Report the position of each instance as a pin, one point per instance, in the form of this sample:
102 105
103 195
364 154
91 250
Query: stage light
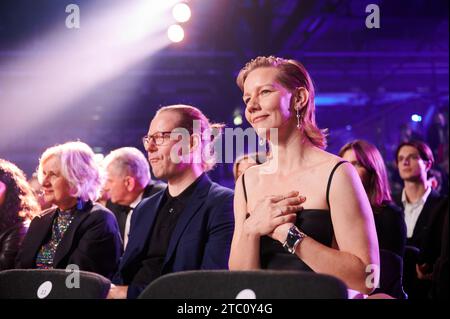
181 12
416 118
237 117
175 33
237 120
98 156
112 40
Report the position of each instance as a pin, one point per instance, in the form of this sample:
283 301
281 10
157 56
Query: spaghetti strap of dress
243 185
329 181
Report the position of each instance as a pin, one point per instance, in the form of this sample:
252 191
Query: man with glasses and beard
188 226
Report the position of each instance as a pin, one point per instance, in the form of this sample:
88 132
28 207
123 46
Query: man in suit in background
424 212
188 226
128 182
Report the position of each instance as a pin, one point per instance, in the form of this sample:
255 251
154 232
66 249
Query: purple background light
368 80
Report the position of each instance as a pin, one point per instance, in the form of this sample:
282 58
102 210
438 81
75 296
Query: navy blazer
201 238
92 241
118 209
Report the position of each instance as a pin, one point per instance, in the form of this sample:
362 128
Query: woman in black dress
304 208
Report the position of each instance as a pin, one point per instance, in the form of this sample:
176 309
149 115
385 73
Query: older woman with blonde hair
76 230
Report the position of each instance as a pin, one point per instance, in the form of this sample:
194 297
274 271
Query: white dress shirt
413 210
128 221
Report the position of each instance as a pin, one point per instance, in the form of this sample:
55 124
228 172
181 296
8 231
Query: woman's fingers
291 198
292 201
284 210
277 198
289 218
272 211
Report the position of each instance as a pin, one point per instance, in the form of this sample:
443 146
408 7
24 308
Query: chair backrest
411 254
391 275
52 284
261 284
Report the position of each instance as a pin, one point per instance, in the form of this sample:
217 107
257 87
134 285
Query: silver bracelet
293 239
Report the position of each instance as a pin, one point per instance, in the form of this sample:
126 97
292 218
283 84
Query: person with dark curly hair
17 207
389 218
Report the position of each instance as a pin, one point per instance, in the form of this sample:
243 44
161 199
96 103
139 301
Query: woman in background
17 207
389 221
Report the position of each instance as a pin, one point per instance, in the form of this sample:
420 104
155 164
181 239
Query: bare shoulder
328 166
345 178
346 172
249 183
326 160
252 174
240 199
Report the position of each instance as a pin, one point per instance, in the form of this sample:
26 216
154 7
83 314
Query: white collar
421 200
136 201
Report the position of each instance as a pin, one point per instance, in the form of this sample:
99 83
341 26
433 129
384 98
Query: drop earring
298 118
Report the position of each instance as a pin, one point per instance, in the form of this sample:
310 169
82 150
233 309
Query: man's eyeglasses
158 138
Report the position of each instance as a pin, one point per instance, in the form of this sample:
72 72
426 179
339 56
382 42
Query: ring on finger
279 210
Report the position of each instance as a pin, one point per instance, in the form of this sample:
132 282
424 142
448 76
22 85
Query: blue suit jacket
201 238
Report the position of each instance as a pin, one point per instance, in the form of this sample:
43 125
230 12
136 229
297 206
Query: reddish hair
209 131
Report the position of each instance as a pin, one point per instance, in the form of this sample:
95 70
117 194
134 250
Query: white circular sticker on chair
44 289
246 294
